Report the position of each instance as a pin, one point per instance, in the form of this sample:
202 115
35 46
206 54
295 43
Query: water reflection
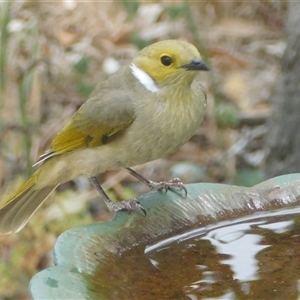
254 258
240 246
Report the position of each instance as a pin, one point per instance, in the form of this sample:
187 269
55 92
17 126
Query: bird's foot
127 205
168 185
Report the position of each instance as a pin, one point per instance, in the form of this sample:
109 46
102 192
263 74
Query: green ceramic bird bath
106 260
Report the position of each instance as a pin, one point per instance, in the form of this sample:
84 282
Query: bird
145 111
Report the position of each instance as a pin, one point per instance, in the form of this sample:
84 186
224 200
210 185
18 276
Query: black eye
166 60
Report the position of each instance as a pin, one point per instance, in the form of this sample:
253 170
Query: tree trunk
283 138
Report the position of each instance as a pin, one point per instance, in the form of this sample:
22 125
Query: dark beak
196 65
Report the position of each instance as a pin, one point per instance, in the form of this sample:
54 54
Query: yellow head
168 62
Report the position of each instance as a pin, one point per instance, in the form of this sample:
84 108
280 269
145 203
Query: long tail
19 208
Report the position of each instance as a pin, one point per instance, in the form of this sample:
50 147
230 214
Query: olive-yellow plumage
145 111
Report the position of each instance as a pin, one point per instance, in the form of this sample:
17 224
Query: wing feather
98 121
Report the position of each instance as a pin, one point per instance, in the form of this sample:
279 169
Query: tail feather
17 211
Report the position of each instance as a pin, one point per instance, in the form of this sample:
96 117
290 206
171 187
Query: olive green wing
97 122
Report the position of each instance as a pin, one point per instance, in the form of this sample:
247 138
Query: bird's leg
159 186
129 205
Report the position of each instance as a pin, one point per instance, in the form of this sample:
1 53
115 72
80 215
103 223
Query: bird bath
221 242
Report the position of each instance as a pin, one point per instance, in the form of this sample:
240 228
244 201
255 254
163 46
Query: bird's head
167 62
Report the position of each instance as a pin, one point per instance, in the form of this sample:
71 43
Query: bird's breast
162 127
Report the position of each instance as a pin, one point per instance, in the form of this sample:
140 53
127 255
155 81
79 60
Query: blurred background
53 54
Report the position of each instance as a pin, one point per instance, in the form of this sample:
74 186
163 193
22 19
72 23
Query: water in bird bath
257 257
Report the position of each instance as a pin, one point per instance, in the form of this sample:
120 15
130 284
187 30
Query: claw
160 186
168 185
176 182
127 205
185 190
144 211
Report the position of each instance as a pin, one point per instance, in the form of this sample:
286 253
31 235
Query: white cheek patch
144 79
